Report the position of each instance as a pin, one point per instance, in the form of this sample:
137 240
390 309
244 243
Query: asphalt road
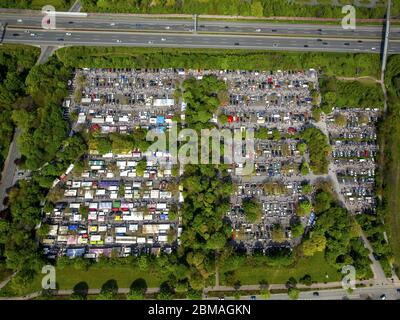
99 38
116 22
7 178
370 293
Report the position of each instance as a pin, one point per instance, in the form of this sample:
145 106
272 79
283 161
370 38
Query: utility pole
195 22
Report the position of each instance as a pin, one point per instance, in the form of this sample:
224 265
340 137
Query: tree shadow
110 286
81 289
139 284
264 285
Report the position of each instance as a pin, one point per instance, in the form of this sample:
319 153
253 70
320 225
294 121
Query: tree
319 149
304 168
109 291
276 135
265 294
316 243
137 290
81 263
330 99
257 9
166 292
277 233
194 294
222 119
135 294
141 167
302 147
304 208
4 228
322 201
80 291
297 229
306 188
293 293
252 210
306 280
43 231
340 120
316 113
143 263
261 133
106 296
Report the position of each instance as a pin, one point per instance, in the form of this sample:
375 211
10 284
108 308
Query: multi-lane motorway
105 30
103 38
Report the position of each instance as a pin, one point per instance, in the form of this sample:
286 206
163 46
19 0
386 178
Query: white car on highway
68 34
163 39
258 30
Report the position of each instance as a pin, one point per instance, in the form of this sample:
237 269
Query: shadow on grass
139 284
80 291
110 286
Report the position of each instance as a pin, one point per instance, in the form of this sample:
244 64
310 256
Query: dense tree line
349 94
35 4
206 190
339 64
252 210
119 143
335 233
387 179
21 249
258 8
40 118
201 98
34 98
318 148
15 63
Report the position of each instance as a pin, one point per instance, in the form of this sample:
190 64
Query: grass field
95 277
315 266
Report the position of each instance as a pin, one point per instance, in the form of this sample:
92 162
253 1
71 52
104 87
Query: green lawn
95 277
315 266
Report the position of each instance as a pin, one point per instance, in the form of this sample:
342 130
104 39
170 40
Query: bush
293 293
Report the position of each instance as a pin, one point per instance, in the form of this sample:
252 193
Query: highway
124 30
123 23
114 38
